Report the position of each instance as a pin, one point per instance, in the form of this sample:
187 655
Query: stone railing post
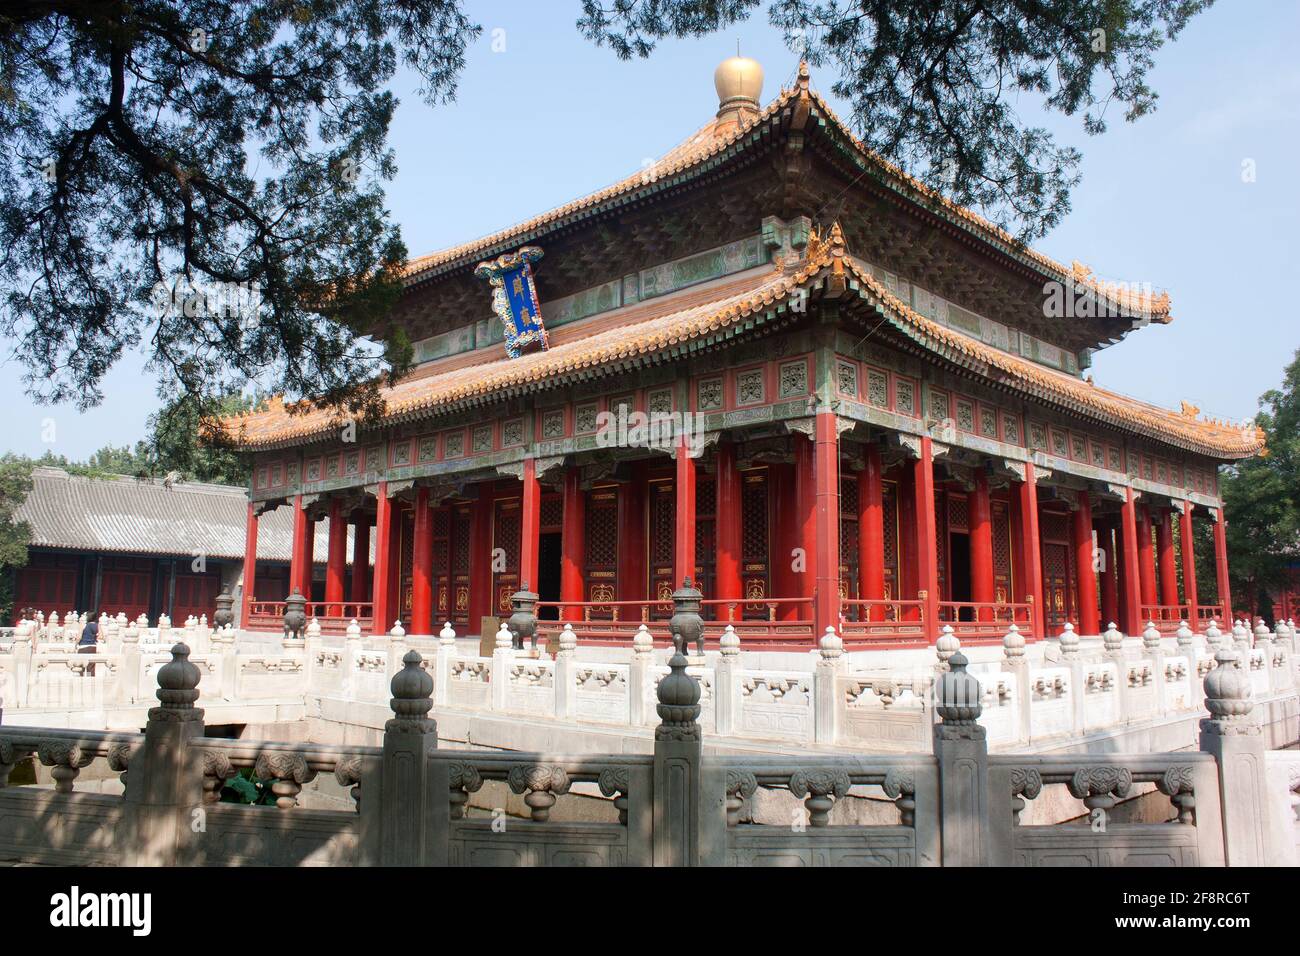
353 643
311 647
1112 644
726 683
442 665
128 673
566 655
503 661
397 648
1233 735
640 677
826 702
166 773
1070 658
1014 662
1152 647
414 800
1187 648
21 652
961 748
678 763
227 646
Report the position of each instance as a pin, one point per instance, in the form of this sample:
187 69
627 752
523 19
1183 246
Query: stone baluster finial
178 689
1013 643
947 645
679 700
1213 636
313 628
1151 637
412 688
729 642
353 631
1263 637
568 645
643 644
447 636
1069 642
1112 640
957 701
1186 639
1241 639
1228 696
505 640
831 644
398 632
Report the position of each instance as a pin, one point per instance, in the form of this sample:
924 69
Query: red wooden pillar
299 544
360 559
803 562
336 564
871 531
1131 612
633 582
1168 569
1221 563
422 565
1146 558
727 531
530 532
926 544
250 564
383 533
395 565
573 544
826 466
1186 539
1031 558
1085 566
909 581
981 545
684 537
480 559
1109 575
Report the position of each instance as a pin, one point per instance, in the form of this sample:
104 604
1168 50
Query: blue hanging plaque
514 299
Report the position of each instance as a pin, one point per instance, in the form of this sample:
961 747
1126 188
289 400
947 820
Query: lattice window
793 379
584 419
1011 429
846 378
749 387
889 513
938 405
508 532
460 546
708 394
552 510
965 415
988 423
453 444
905 396
878 389
1001 542
958 513
1054 527
512 433
663 523
753 520
1079 447
602 533
482 439
1116 459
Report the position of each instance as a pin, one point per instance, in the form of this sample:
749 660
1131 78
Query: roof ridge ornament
514 299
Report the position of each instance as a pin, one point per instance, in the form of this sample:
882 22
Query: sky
1200 198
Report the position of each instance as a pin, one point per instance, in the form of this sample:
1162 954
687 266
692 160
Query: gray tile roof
146 516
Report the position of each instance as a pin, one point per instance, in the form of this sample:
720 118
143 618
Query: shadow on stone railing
414 804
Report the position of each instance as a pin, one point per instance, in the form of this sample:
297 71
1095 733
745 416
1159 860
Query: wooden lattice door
663 530
755 520
462 522
849 538
602 549
506 531
442 563
1003 586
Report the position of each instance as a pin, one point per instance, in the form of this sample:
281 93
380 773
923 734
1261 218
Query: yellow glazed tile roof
717 137
826 260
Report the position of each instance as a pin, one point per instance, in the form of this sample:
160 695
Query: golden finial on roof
739 82
803 75
837 238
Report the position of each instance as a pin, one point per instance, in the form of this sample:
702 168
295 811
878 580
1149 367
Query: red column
1085 566
336 564
871 530
826 466
1186 539
422 565
1168 569
1146 558
684 537
633 582
530 533
480 559
805 511
981 544
395 565
303 543
1221 563
1031 558
727 490
927 553
250 564
383 532
573 544
360 559
1109 575
1131 612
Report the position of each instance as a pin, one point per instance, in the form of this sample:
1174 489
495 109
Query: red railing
876 623
974 622
333 616
1166 617
768 623
1204 612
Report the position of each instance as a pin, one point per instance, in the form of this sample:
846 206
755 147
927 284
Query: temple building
775 365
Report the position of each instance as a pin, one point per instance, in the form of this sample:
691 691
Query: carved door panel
755 520
1056 585
848 538
602 549
507 526
941 541
662 545
706 503
441 565
406 564
1003 586
462 523
889 511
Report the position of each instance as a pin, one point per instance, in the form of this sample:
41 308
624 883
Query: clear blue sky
1161 201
